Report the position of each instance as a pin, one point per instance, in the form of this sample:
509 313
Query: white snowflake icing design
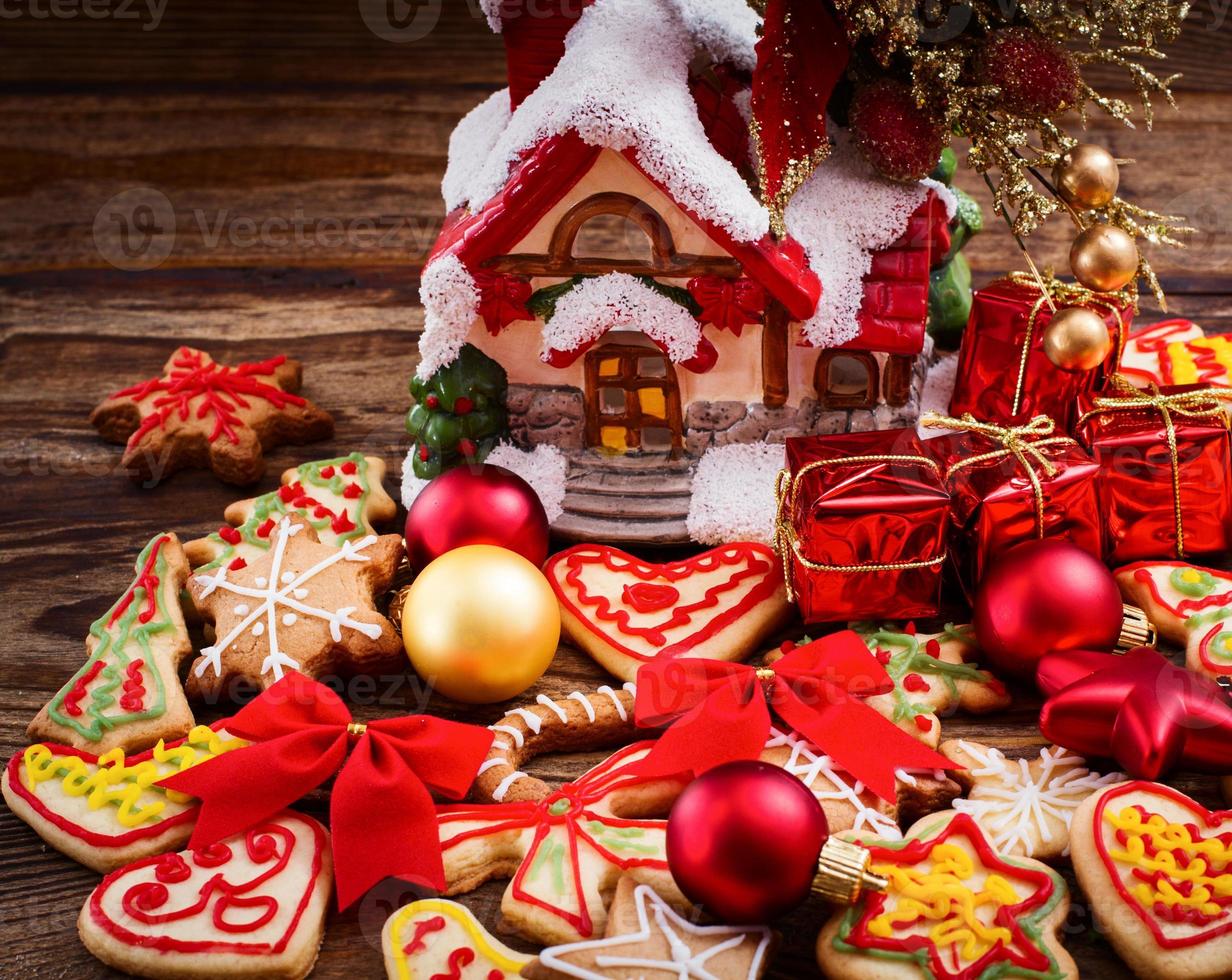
1016 806
280 598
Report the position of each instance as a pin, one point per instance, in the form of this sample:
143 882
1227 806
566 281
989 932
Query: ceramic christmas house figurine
606 247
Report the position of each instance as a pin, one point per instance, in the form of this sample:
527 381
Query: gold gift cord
1203 403
1070 294
1024 442
787 544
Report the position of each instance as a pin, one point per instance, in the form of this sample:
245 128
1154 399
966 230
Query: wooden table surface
292 154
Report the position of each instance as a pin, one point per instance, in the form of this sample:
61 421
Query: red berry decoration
432 401
1036 75
899 138
463 406
467 447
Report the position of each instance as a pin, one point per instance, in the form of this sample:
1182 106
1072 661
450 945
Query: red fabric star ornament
502 300
728 303
1139 709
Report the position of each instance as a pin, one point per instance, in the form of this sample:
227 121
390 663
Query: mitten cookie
128 693
201 413
438 938
1189 606
342 498
250 906
105 812
304 606
625 612
1157 869
646 937
1024 806
954 909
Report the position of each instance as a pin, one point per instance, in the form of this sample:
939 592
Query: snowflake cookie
647 937
1190 606
128 694
304 606
955 909
1024 806
200 413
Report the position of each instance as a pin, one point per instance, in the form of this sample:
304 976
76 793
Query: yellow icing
1184 366
502 958
1205 864
111 781
940 894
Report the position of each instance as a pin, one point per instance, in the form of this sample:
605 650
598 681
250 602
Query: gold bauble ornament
1077 339
480 624
1087 176
1104 258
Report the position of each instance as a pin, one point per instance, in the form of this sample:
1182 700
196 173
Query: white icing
533 721
502 787
491 764
516 735
553 707
584 701
620 708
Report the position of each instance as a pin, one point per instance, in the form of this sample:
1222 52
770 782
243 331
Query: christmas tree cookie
127 694
1190 606
341 498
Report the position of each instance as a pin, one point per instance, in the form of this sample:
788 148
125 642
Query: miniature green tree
459 413
949 294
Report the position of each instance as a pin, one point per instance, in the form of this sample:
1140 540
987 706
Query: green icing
559 807
1196 583
620 839
1220 648
114 649
1218 614
908 657
271 505
552 854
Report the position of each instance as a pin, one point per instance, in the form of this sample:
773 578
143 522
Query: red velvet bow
502 299
721 712
728 304
382 817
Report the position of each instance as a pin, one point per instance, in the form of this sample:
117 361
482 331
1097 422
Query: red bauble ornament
1036 75
1042 596
743 841
901 139
476 505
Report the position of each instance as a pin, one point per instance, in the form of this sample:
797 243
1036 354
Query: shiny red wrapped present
1013 484
862 526
1004 376
1164 456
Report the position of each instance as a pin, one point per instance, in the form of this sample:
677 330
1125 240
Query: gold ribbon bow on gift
1203 403
1065 294
787 543
1024 442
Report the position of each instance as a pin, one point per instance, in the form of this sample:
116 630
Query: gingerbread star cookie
200 413
647 937
1157 869
342 498
304 606
1190 606
250 906
955 909
624 611
105 811
1024 806
438 938
128 694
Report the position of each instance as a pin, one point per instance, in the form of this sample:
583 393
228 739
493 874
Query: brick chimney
534 33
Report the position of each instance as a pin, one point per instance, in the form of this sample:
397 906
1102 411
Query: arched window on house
847 379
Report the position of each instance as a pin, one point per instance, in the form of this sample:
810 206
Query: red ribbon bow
382 816
721 712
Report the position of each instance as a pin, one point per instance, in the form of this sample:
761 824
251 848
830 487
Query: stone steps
627 499
579 527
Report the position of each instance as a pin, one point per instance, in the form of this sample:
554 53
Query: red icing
327 471
145 902
289 491
923 723
237 564
646 597
221 390
341 524
933 648
1187 606
1204 650
422 928
266 527
230 534
133 696
1203 817
147 581
72 700
353 491
914 682
459 958
350 468
746 561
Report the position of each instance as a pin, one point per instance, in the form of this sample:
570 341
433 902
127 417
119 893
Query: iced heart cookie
250 906
647 938
438 938
1157 868
954 910
304 606
128 694
106 811
1189 606
200 413
624 611
564 852
1024 806
342 498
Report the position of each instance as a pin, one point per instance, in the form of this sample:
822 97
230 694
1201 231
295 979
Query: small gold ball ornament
1104 258
1077 339
1087 176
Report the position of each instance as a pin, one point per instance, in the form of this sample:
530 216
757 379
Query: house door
632 400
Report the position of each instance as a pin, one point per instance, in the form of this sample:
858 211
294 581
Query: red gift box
862 526
1010 485
1004 376
1164 468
